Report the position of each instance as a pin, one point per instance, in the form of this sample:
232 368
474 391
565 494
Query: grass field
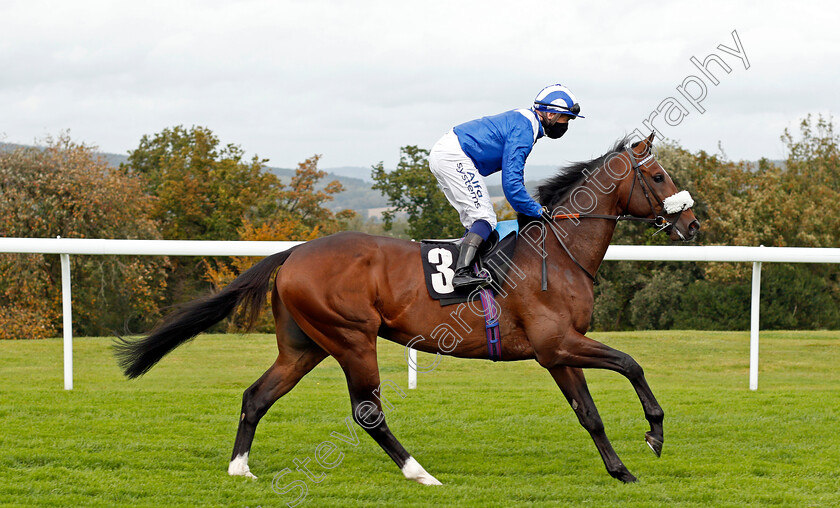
494 434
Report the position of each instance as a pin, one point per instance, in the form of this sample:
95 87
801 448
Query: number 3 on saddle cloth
438 257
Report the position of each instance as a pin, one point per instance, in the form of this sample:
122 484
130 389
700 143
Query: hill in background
358 194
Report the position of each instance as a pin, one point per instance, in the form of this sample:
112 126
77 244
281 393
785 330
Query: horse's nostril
693 228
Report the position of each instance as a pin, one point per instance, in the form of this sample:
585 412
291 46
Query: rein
659 220
573 258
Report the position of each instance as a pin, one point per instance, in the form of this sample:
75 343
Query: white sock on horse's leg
414 471
239 467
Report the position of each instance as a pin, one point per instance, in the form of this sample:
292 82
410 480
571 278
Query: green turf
494 434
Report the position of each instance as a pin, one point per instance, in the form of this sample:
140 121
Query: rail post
67 310
412 368
754 308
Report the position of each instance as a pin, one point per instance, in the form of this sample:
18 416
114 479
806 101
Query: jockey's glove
546 214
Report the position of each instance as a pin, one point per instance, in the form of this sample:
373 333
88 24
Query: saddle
494 257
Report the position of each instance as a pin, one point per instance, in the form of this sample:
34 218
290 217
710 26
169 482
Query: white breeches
460 181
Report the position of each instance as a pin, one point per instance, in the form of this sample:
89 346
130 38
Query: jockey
472 150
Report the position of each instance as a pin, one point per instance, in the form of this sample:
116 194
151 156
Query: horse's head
648 191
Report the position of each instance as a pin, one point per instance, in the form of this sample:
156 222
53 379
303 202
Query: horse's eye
659 178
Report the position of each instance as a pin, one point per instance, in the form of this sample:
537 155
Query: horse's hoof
654 443
246 474
428 480
623 476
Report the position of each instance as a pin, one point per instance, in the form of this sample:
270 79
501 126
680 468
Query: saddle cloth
439 256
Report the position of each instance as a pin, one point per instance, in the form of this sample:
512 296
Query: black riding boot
464 275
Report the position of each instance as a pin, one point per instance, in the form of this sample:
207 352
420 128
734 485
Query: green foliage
773 205
790 205
799 297
204 191
652 307
411 188
793 296
64 190
178 184
708 305
300 216
304 202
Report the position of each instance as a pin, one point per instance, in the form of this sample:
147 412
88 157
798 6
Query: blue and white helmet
557 99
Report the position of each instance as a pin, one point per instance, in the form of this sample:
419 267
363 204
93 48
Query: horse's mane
552 190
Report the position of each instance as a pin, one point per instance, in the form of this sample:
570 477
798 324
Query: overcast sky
356 80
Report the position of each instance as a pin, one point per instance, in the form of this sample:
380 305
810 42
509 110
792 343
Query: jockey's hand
546 214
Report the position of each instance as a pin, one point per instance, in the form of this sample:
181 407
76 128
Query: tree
411 188
205 191
64 189
778 205
302 201
739 203
300 216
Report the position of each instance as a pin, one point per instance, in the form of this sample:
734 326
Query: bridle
659 221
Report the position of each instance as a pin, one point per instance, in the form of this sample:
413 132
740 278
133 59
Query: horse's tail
248 290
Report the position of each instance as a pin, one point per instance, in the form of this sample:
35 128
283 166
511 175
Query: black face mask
556 131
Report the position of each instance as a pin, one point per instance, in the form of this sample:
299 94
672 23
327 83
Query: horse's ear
647 144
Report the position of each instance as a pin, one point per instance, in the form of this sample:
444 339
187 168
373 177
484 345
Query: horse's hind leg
573 384
278 380
362 372
297 356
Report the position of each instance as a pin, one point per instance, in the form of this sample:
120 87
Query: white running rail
76 246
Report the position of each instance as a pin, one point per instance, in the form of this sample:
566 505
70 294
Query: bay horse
334 295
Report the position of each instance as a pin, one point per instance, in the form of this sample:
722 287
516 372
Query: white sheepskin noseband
679 202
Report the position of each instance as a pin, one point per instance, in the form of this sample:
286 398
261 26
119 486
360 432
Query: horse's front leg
573 384
574 349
